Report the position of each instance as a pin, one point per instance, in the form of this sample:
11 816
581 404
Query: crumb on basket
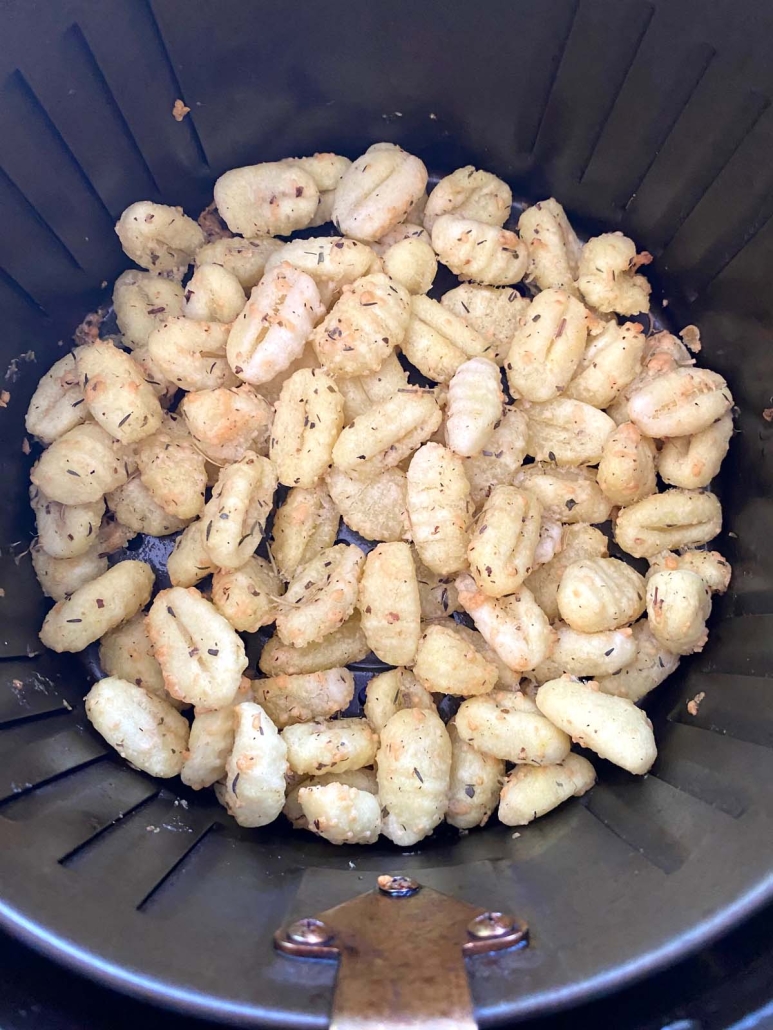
179 110
213 225
12 373
695 703
88 330
25 446
2 592
67 705
767 414
691 338
514 835
4 398
17 684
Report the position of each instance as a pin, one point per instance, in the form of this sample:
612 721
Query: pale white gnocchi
286 398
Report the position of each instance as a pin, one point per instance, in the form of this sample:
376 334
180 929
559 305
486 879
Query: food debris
767 414
4 398
17 684
695 703
67 705
2 592
12 372
514 835
25 446
213 225
691 338
88 331
179 110
153 829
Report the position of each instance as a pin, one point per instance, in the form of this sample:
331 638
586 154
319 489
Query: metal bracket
401 949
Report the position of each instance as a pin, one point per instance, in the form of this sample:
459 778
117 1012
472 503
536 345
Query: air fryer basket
653 117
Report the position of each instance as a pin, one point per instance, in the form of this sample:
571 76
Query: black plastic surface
653 117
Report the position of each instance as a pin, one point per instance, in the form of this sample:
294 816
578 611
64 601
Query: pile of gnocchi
272 392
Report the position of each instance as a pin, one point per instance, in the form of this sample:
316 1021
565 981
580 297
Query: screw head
490 924
309 931
398 886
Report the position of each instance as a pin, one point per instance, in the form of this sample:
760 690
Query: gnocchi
509 726
389 603
611 726
340 813
58 404
439 508
438 342
339 746
471 441
321 595
495 313
304 526
503 544
530 792
447 663
271 330
236 514
97 607
308 419
413 766
363 327
469 193
597 594
158 237
554 250
271 199
480 252
514 626
608 278
305 696
344 646
377 191
142 301
391 692
475 784
547 346
475 401
143 729
201 657
254 788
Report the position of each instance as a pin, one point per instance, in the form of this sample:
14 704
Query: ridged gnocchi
287 400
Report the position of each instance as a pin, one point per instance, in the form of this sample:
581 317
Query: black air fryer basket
651 116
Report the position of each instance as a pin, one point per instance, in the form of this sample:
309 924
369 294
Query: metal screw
490 924
398 886
309 931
